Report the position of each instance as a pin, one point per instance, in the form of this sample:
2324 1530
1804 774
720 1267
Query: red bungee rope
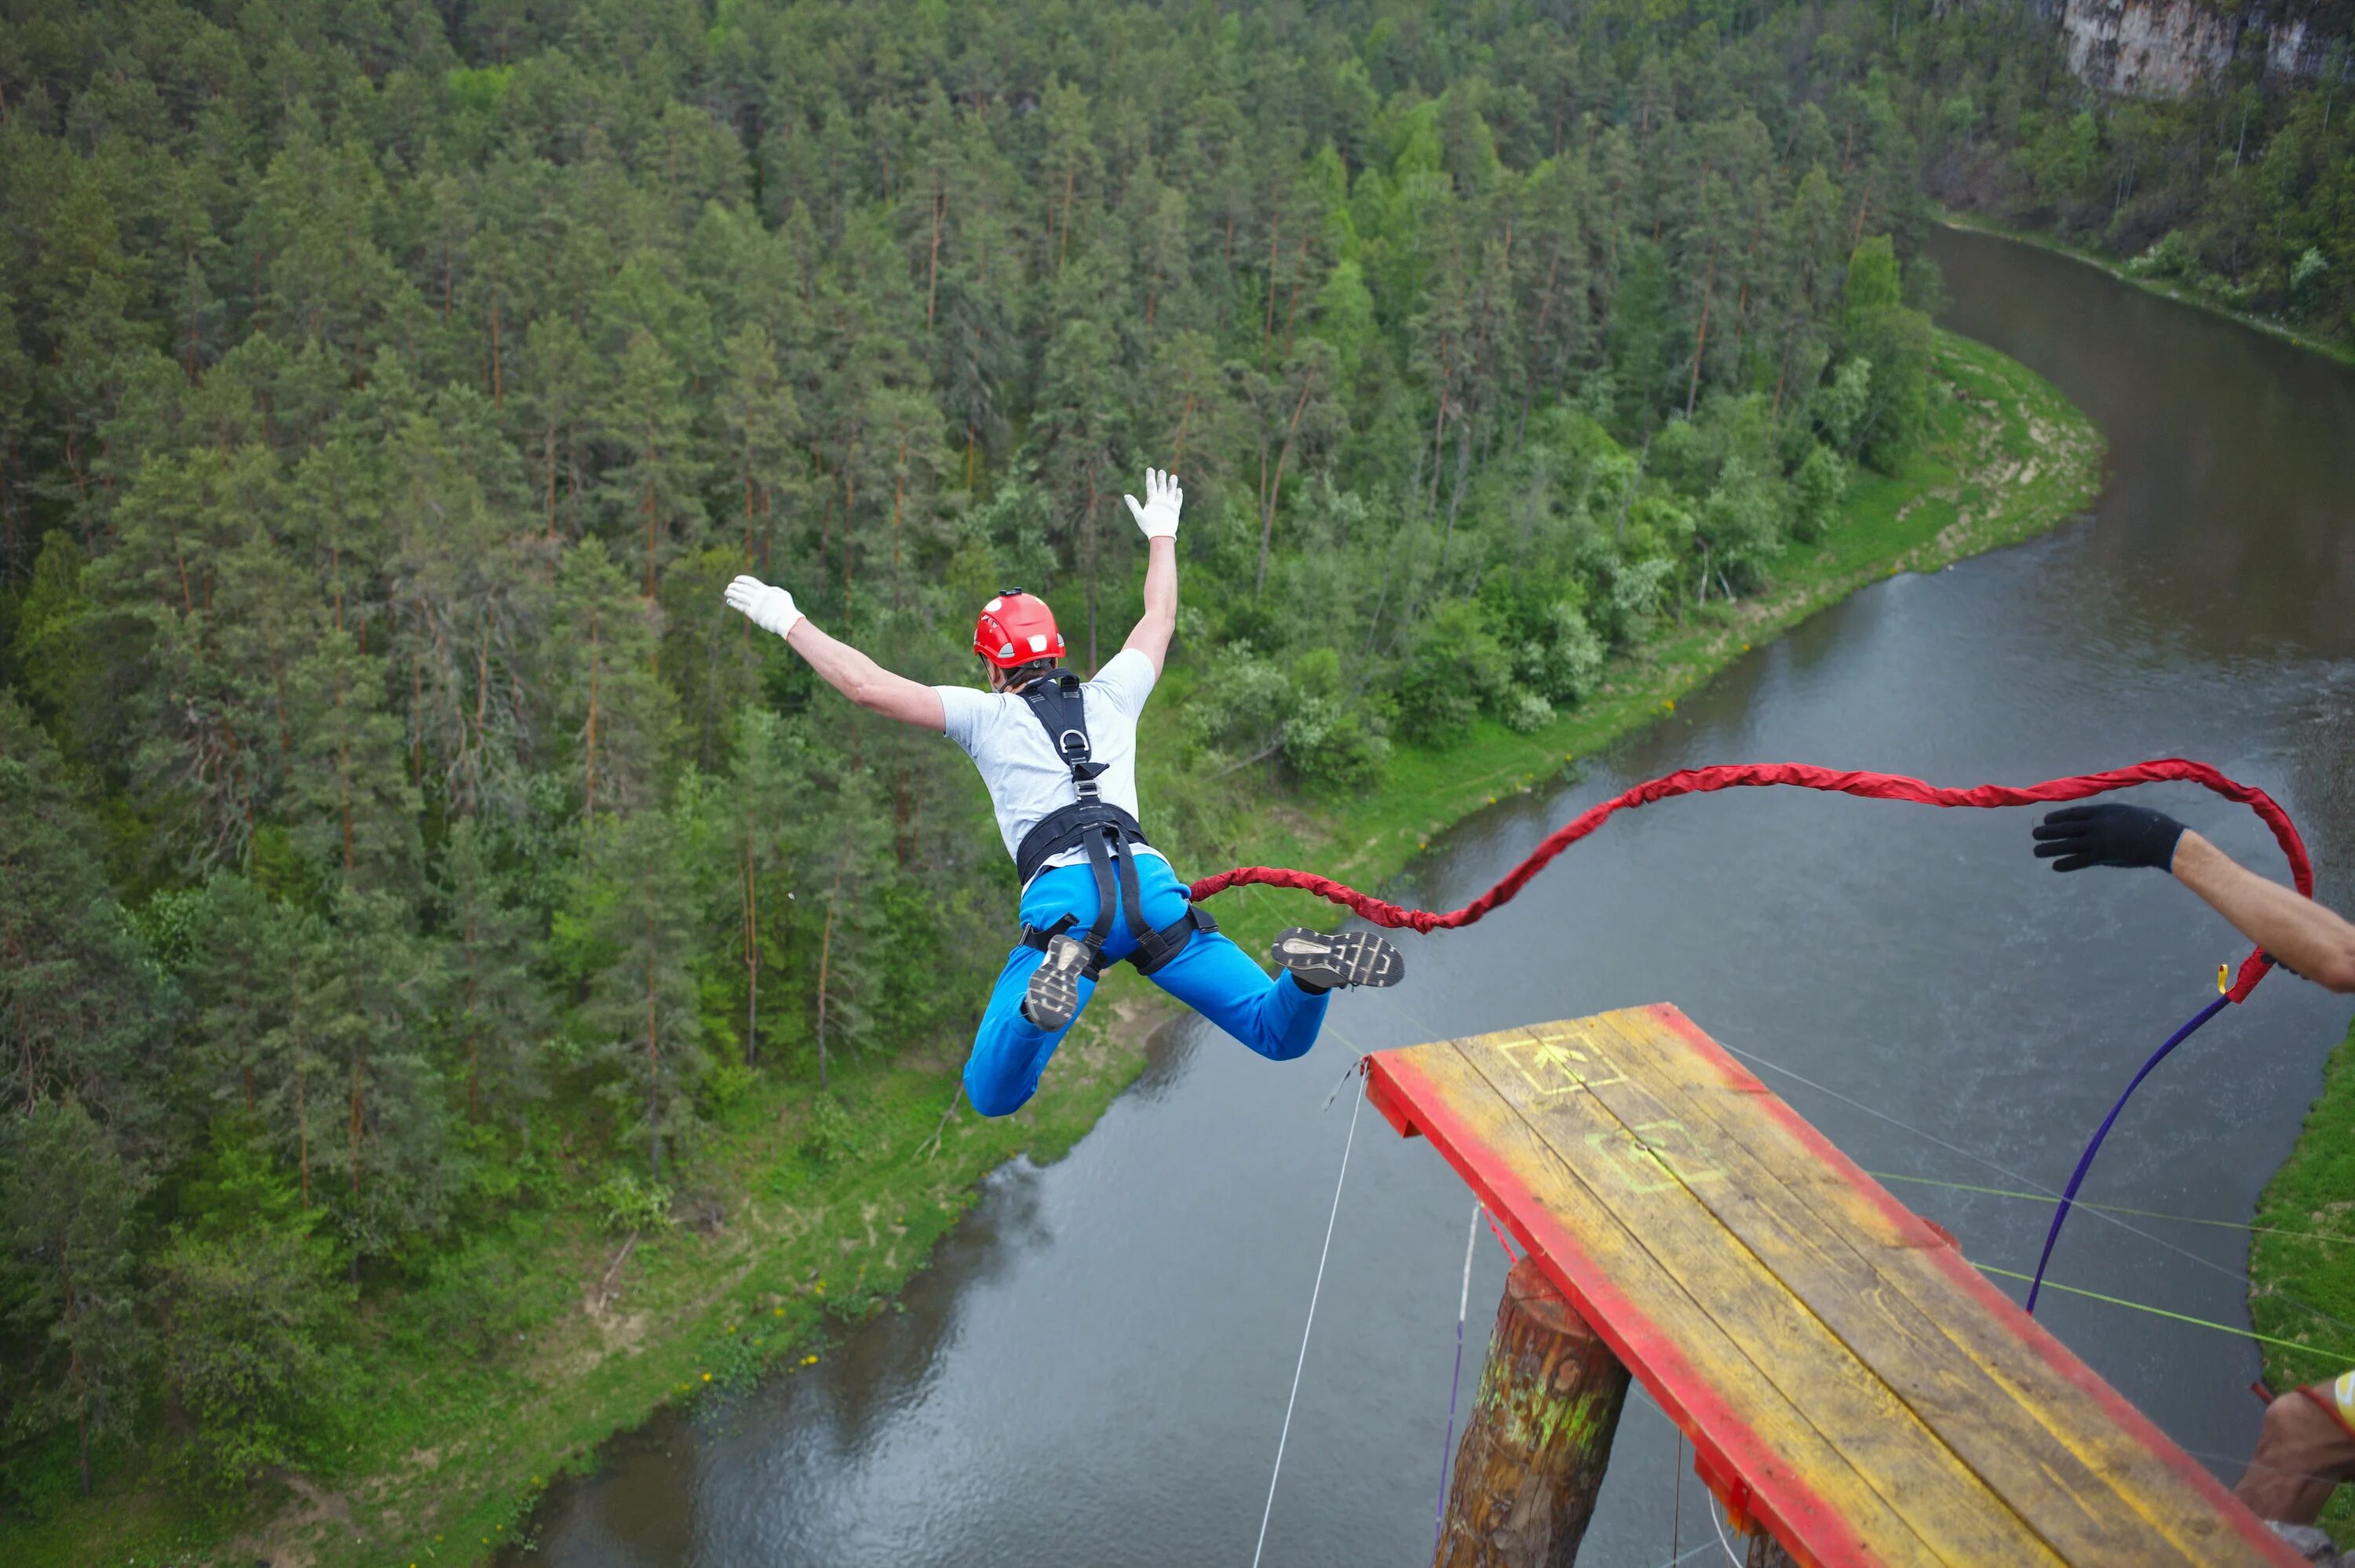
1873 785
1752 775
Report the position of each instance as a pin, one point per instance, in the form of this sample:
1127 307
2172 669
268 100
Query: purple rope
2085 1160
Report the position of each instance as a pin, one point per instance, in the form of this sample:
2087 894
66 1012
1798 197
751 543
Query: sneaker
1052 1000
1322 960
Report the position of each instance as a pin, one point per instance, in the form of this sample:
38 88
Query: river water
1094 1369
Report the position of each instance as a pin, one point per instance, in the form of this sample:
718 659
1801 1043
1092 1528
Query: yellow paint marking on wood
2041 1401
1825 1320
2036 1441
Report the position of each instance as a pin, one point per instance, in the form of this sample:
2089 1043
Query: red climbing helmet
1017 629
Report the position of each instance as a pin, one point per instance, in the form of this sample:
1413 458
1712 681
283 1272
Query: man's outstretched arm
1158 518
838 665
2304 936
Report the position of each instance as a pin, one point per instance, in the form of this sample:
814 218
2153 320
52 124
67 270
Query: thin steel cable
1677 1499
2011 1175
1456 1384
2336 1356
2114 1208
1314 1290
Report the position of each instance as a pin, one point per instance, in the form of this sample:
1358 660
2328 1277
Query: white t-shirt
1026 780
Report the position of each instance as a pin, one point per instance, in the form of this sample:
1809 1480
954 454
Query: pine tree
765 804
654 491
378 986
354 809
498 1008
607 697
634 913
81 1011
69 1276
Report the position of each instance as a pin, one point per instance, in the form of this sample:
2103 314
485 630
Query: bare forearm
863 680
1153 631
1161 581
2313 940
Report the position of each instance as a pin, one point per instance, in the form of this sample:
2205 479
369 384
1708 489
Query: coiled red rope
1801 775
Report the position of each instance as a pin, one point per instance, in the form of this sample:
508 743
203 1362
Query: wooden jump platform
1847 1382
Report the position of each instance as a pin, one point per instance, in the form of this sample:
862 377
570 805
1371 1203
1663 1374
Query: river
1094 1369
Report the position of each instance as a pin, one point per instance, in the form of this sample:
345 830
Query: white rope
1266 1513
1721 1540
1689 1551
1456 1384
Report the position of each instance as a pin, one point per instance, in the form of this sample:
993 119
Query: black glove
2080 836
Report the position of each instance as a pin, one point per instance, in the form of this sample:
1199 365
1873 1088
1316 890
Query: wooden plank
1744 1335
1878 1399
1652 1326
2070 1478
2117 1441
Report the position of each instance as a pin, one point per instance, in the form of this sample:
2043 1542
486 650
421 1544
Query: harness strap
1155 949
1104 830
1100 862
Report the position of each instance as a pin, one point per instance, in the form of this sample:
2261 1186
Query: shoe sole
1052 997
1340 958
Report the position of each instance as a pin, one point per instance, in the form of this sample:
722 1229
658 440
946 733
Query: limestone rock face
2164 49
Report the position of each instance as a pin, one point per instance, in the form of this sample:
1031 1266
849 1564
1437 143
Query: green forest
2242 192
399 840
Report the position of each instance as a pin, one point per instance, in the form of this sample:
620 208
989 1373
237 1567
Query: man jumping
1060 760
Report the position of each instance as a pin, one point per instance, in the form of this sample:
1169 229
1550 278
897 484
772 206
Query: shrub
832 1136
1815 491
252 1356
1327 747
1565 663
627 1204
1526 711
1457 668
2171 256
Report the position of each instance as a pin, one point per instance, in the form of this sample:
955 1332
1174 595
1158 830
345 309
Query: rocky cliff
2167 48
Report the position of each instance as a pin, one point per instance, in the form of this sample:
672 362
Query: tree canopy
388 390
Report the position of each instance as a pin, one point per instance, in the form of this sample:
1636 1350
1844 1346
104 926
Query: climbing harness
1105 833
1870 786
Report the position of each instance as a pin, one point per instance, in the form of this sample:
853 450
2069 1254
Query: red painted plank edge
1725 1447
1808 1528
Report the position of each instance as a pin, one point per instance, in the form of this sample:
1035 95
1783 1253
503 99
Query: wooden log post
1539 1437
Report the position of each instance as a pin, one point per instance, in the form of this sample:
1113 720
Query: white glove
1158 515
770 609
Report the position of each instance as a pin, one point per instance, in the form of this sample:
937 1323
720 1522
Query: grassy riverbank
2009 458
1972 223
2303 1252
813 1225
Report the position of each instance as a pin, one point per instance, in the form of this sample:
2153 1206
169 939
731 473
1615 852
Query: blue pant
1213 975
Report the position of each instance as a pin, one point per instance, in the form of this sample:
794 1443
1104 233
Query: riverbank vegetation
560 1321
449 961
2302 1255
2240 194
